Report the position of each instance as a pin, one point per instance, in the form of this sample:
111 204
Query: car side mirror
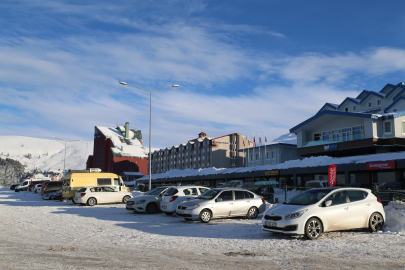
328 203
218 200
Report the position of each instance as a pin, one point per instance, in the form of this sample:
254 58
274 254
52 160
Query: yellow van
75 180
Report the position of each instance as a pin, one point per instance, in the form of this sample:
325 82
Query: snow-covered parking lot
37 234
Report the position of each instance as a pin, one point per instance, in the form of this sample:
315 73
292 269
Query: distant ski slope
45 154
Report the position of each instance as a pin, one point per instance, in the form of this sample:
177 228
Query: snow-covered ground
37 234
47 155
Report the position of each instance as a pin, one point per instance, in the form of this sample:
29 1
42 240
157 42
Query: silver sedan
221 203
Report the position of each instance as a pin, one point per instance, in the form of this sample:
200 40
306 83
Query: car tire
313 229
205 216
169 213
376 222
151 208
252 213
125 199
73 200
91 201
35 191
51 197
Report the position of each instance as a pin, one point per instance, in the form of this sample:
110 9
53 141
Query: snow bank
395 217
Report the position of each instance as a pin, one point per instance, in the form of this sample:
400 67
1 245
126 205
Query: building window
345 134
251 157
403 127
203 157
208 164
268 155
208 150
387 127
257 157
394 110
357 133
317 136
203 150
346 109
273 154
369 104
325 136
354 108
379 102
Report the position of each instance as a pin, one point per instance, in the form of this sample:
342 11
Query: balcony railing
335 139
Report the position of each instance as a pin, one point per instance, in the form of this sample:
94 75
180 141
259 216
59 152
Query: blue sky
242 66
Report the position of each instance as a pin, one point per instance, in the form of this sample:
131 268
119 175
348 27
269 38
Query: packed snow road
37 234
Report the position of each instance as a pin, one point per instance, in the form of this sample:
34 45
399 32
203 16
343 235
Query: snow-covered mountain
47 155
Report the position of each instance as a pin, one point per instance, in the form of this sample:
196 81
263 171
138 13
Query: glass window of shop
384 177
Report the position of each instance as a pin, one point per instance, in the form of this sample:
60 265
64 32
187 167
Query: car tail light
378 200
262 200
173 198
82 194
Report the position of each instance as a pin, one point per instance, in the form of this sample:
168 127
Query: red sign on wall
332 175
386 165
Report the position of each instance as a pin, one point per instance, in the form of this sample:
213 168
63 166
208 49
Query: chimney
126 130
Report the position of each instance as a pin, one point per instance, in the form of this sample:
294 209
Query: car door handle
346 208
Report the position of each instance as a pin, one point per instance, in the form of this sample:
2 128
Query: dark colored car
51 186
12 187
392 186
359 185
390 196
56 195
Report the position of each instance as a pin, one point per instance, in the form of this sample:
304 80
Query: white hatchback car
320 210
37 188
175 195
94 195
221 203
148 202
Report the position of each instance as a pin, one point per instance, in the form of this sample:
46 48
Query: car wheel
376 222
151 208
125 199
313 228
205 216
91 201
73 200
252 213
51 197
169 213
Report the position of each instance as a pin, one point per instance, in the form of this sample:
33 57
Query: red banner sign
381 165
332 175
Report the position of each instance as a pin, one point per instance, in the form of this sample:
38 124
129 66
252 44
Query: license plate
271 224
180 212
164 206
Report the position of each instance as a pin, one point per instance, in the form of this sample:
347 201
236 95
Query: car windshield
156 191
309 197
170 192
210 194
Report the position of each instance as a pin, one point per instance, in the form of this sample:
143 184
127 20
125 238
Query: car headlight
140 202
130 202
295 214
193 206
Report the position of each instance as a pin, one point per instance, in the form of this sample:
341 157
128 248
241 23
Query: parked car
317 183
175 195
37 188
50 187
96 195
358 185
321 210
148 202
392 186
221 203
53 195
390 196
12 187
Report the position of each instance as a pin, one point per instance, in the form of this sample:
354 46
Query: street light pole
64 160
150 124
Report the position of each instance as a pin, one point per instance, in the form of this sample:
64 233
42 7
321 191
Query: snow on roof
306 162
126 147
289 138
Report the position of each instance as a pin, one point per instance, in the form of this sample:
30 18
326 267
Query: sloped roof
125 147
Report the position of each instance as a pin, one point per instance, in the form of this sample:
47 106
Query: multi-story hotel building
202 152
